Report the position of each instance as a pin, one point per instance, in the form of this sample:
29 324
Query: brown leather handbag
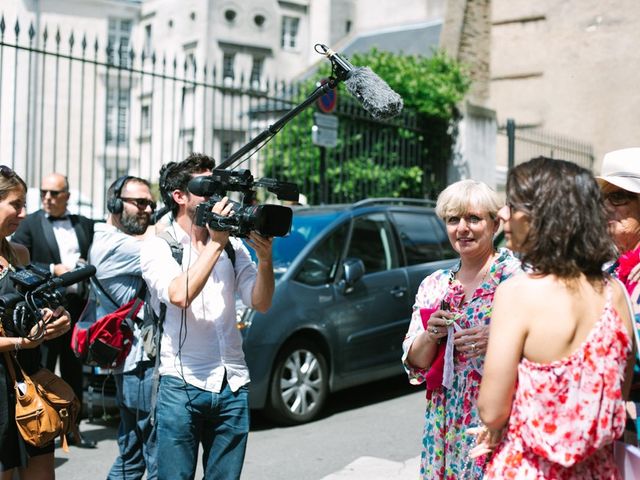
46 406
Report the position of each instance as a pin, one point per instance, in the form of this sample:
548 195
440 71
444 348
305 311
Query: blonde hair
461 197
9 183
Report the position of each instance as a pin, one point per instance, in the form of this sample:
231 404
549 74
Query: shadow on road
351 399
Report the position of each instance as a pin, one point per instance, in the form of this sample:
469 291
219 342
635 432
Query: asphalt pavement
372 432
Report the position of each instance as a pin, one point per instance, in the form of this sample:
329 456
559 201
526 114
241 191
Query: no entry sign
327 102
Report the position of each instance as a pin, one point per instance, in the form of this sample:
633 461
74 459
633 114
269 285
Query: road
371 432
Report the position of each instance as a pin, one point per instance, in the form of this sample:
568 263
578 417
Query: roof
417 39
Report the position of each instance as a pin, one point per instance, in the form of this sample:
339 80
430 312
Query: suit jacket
36 233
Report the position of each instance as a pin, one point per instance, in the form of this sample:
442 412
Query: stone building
568 66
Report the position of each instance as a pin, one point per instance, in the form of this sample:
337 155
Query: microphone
376 96
69 278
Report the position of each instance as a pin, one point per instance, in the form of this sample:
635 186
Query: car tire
299 384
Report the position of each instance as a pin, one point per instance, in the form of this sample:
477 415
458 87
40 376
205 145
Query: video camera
268 220
36 288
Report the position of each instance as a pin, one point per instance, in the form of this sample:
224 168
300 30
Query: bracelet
18 344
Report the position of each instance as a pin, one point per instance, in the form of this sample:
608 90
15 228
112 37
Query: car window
321 265
422 236
372 242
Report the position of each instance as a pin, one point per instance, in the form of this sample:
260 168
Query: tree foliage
404 157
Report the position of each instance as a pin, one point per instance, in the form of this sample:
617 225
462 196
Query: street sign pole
323 175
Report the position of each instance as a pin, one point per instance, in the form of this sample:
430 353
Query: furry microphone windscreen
376 96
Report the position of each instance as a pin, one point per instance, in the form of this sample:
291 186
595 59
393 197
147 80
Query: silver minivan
346 279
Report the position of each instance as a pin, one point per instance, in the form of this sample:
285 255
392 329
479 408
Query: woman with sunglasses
31 462
620 185
561 339
447 338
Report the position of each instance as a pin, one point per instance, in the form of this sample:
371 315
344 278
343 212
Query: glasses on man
619 197
141 203
6 172
53 193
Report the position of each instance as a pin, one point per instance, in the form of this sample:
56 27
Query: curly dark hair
568 228
176 176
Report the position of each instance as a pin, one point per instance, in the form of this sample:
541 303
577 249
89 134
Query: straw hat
622 169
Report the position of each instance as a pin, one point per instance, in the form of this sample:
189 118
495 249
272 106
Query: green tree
402 157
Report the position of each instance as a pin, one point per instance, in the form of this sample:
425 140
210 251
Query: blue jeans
136 433
187 416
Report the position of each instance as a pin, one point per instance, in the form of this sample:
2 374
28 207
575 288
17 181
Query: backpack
105 342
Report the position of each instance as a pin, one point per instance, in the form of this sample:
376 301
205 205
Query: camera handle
271 130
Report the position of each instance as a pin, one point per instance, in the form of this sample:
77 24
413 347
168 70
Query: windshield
304 228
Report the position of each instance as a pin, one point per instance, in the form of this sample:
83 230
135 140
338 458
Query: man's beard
135 224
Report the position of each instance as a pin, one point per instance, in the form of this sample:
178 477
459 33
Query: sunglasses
619 197
7 172
53 193
141 203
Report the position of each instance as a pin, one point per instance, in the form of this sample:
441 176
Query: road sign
324 132
327 102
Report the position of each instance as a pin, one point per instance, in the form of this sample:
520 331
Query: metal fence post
511 137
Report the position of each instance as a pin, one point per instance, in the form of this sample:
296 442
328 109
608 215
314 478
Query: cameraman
203 394
33 462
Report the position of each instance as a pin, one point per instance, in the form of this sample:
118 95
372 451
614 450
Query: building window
117 124
145 120
259 20
226 149
289 38
119 41
256 71
147 40
227 65
230 15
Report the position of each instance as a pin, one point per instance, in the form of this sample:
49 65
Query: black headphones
167 199
114 203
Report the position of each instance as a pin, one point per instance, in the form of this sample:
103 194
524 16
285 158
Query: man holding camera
203 394
57 241
116 255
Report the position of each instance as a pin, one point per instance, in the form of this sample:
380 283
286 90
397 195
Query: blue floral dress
450 412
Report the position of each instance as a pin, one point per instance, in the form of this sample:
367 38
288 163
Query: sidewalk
371 468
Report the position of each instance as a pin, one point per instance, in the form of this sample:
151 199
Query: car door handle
398 292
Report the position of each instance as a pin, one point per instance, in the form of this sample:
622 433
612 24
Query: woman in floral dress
560 345
447 337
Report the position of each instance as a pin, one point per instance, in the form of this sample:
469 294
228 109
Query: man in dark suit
58 241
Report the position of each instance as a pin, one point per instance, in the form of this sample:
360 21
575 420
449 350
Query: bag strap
140 293
632 313
9 362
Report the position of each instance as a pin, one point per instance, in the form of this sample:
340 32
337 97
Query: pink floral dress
449 412
566 414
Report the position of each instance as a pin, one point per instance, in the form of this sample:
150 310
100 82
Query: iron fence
95 110
526 143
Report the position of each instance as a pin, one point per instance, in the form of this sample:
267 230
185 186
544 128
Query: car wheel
299 385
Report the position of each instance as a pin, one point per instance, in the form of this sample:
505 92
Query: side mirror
353 271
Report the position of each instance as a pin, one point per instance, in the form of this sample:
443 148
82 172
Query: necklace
469 293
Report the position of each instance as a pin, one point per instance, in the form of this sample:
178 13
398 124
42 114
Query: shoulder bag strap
95 282
633 318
